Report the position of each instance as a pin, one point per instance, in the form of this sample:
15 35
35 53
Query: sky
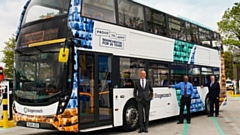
205 12
10 11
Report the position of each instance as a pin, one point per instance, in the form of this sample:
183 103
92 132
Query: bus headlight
63 104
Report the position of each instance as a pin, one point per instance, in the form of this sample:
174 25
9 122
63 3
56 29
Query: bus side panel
128 45
202 93
210 57
119 103
165 102
197 99
165 49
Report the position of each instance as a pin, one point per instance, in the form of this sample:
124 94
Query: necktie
185 90
211 84
142 83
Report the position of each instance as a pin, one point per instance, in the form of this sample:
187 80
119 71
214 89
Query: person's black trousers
185 101
214 101
143 105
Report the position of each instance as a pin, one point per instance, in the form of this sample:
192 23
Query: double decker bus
76 62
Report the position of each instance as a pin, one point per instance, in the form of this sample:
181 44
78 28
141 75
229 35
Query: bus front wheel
130 116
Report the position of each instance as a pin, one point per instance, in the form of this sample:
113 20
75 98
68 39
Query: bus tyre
207 105
130 116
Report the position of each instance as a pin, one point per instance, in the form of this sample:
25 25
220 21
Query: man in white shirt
143 94
213 93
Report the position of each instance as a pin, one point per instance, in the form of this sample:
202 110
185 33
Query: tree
229 29
8 57
230 24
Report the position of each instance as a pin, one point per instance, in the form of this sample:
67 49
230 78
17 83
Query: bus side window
130 14
99 10
129 71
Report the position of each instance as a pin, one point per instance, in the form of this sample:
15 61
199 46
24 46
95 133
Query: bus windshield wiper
38 48
18 51
27 54
50 52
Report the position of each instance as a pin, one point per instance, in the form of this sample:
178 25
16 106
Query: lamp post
236 83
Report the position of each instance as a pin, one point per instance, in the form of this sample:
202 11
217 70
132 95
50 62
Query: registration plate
31 124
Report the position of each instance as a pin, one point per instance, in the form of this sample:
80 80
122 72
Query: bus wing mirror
63 55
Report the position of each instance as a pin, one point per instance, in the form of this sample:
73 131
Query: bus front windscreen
39 78
43 9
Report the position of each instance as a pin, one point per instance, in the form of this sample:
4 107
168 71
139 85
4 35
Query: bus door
95 89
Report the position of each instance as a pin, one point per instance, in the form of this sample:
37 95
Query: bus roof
194 22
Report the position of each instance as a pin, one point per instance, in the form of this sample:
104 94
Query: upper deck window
43 9
130 14
177 29
216 39
204 36
99 9
192 33
155 22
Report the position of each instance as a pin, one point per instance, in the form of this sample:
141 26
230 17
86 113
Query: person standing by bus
143 94
214 91
186 92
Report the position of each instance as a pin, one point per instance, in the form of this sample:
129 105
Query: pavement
228 123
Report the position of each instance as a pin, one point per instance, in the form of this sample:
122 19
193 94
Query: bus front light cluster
63 103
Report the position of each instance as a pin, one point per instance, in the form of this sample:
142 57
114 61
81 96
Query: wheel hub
132 116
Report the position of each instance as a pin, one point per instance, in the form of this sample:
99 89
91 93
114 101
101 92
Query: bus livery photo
76 62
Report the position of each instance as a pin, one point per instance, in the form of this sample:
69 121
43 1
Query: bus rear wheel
207 105
130 116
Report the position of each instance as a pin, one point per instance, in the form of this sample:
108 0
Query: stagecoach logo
26 110
110 39
162 95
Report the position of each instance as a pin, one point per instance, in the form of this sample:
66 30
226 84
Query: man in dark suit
143 93
213 93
